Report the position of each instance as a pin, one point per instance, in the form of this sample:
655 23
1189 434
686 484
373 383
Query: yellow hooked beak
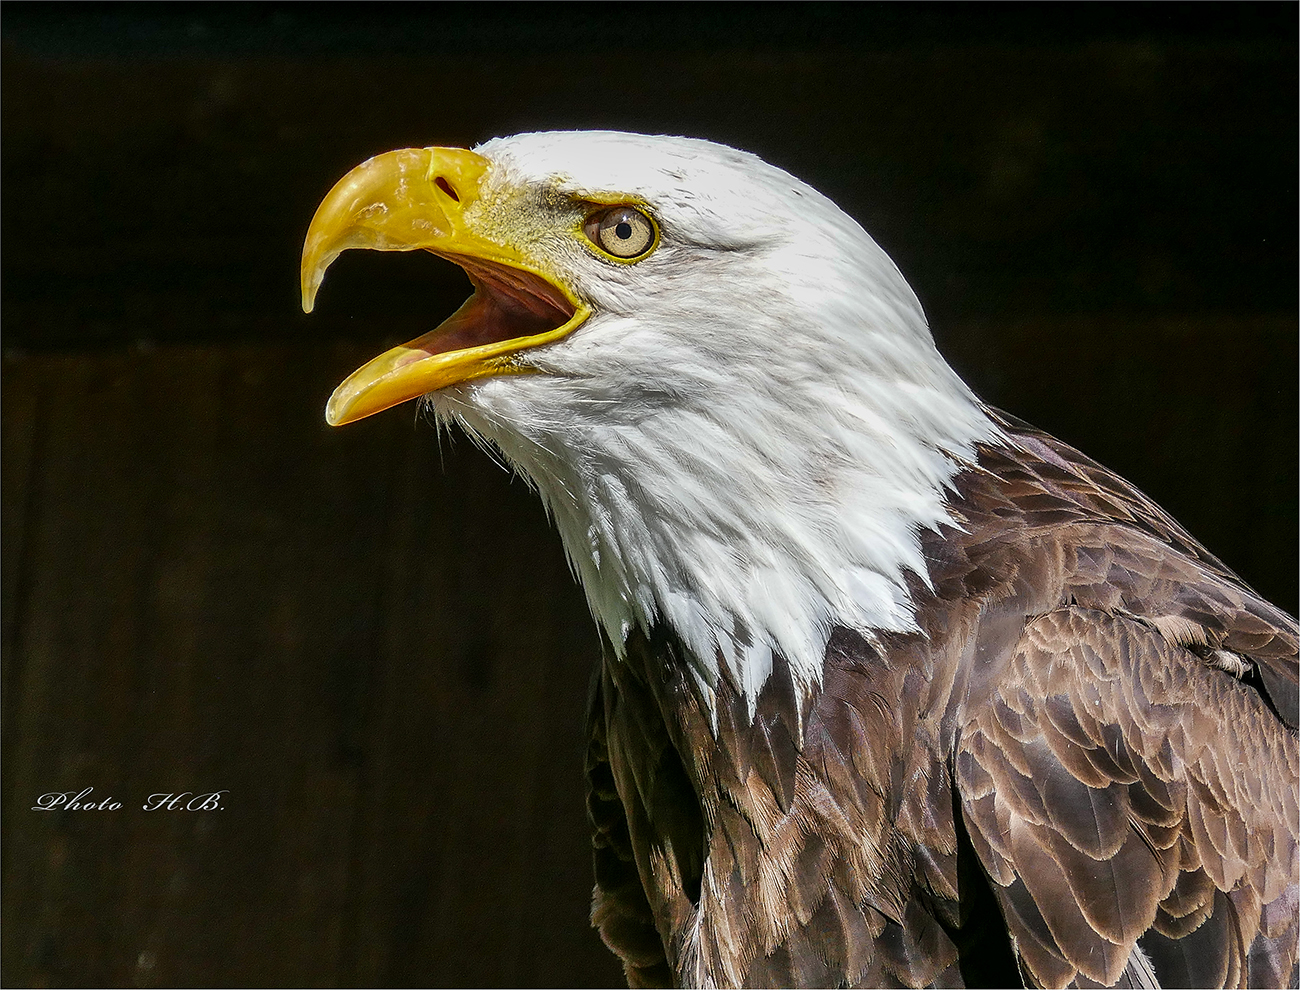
425 199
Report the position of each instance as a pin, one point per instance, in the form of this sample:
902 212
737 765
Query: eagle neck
751 521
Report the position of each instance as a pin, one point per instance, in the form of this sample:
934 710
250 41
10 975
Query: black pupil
623 229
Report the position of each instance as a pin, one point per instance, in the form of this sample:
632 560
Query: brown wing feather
1233 614
1108 847
1122 787
625 827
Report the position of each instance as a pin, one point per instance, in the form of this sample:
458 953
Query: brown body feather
1081 771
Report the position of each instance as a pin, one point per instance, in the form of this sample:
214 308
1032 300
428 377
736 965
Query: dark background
374 645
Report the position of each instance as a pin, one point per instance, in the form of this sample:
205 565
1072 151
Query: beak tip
312 277
336 410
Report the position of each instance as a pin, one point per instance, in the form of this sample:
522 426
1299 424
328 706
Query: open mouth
508 303
511 310
415 199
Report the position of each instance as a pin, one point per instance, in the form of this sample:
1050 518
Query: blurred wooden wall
369 638
377 650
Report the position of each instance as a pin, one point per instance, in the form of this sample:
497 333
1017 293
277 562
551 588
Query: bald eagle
897 690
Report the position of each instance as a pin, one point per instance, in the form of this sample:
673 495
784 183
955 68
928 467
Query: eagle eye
622 231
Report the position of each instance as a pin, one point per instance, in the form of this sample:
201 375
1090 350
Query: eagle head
721 386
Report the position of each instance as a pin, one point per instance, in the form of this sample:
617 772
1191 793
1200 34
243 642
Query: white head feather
745 438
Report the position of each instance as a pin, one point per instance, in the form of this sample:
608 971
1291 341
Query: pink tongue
506 304
488 317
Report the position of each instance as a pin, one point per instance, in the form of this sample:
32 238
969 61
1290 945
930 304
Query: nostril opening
446 187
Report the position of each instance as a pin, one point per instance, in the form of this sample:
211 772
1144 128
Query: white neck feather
750 469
